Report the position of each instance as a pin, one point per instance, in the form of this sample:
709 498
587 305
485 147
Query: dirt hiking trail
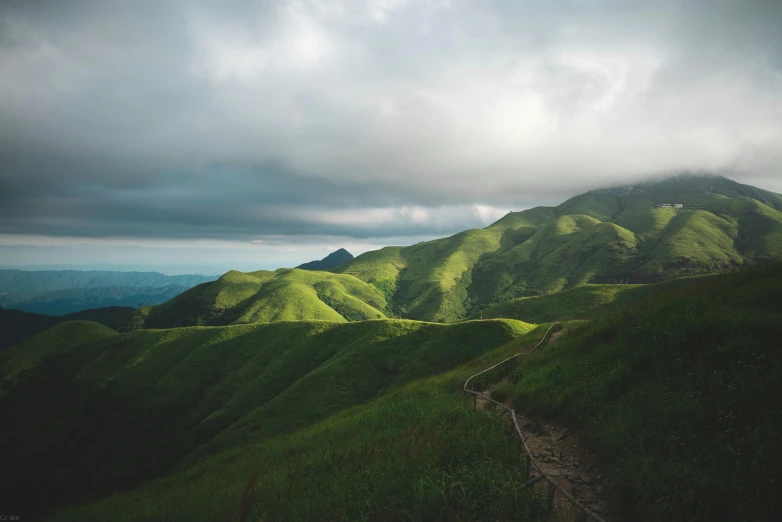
563 457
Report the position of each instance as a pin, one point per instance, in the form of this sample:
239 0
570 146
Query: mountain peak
332 260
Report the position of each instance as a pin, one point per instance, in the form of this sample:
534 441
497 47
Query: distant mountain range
49 280
70 300
633 234
332 260
58 292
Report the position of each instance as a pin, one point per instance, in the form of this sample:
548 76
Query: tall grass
679 395
109 412
418 453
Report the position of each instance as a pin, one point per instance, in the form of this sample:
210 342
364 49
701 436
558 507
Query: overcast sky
257 134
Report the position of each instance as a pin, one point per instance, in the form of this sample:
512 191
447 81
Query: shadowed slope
676 391
17 326
128 407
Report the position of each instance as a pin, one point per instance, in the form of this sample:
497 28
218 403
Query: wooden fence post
550 493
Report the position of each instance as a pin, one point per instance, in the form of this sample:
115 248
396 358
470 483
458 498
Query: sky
206 136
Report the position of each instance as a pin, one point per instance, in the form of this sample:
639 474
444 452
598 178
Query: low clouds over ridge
368 119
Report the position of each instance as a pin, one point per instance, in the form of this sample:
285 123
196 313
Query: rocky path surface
563 457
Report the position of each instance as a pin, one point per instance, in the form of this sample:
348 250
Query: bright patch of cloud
487 214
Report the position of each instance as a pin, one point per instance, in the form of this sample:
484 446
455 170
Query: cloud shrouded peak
368 119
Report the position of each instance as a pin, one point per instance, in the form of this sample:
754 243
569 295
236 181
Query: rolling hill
95 411
604 237
363 421
264 296
17 326
332 260
609 236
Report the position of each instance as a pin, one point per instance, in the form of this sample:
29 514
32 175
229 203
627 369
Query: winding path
553 456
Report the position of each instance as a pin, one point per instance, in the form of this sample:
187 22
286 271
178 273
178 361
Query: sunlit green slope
611 236
263 296
602 237
583 302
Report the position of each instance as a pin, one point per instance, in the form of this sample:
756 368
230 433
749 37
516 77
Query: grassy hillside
602 237
17 326
60 339
677 393
418 453
129 407
364 420
583 302
264 296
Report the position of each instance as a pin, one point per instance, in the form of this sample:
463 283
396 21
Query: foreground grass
420 454
417 453
678 394
104 412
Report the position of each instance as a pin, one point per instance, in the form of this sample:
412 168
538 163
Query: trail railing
530 459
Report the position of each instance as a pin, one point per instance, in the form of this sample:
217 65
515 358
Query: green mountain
618 235
17 326
264 296
611 236
332 260
365 421
71 300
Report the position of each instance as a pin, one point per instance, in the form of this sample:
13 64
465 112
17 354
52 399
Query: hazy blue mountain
39 281
332 260
59 302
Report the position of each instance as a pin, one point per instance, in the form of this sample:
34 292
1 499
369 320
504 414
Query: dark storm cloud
195 119
213 201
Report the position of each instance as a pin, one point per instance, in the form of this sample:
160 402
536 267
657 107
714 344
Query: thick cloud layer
244 119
